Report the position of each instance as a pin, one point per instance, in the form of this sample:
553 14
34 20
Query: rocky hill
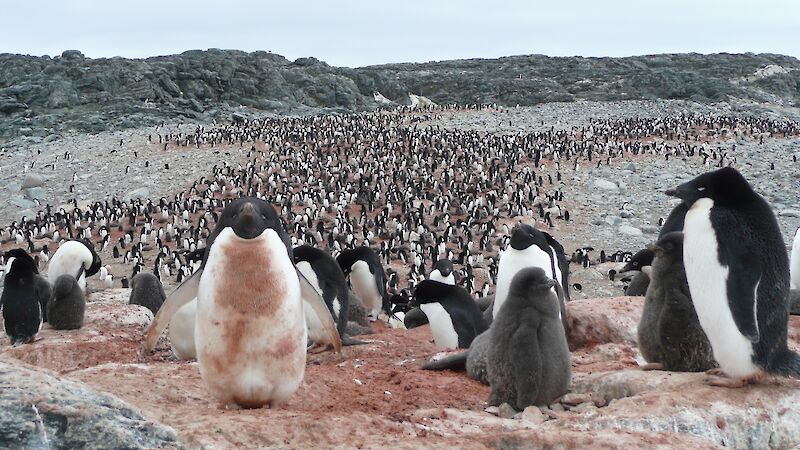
44 95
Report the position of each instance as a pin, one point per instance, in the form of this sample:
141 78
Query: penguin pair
367 277
250 332
738 273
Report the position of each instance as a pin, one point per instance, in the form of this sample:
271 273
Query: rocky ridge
40 96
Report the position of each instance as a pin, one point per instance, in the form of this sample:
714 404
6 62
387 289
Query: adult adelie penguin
250 332
22 313
454 317
738 273
530 247
76 258
327 278
367 277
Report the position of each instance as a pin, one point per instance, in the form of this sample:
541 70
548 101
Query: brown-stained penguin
250 331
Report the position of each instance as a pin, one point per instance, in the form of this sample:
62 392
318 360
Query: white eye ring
701 188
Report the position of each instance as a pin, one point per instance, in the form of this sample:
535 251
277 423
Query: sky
359 33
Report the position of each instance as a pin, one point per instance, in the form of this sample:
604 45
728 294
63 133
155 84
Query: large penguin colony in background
412 224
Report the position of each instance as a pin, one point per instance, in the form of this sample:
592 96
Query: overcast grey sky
356 33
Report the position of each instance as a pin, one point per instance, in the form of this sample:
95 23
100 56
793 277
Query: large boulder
603 320
39 410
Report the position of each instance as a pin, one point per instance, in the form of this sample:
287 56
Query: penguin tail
349 341
457 361
787 364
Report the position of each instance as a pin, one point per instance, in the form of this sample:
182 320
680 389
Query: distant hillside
43 95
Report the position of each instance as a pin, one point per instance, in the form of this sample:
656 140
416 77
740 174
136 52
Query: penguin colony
374 191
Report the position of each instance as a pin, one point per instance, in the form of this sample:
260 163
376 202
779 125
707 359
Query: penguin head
444 266
640 259
19 265
524 236
96 262
429 291
531 279
249 217
725 186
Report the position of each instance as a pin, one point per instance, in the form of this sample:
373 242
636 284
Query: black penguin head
429 291
444 266
640 259
20 265
670 245
524 236
96 262
725 186
249 217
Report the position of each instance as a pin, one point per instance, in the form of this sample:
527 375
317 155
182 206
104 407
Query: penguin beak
671 192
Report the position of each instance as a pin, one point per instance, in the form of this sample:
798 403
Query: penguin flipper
456 361
316 302
182 295
744 276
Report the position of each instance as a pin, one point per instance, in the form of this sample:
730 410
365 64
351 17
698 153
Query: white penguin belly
511 262
364 286
250 330
396 321
444 333
794 267
708 286
313 323
181 331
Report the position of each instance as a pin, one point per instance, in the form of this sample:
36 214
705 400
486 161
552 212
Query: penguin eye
701 188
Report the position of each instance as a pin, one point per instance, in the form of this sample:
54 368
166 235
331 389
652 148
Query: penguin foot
319 348
716 371
734 383
652 366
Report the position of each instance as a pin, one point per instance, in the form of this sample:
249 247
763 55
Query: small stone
597 221
506 411
574 399
789 213
630 231
584 407
493 410
599 183
557 407
32 180
138 193
533 414
650 229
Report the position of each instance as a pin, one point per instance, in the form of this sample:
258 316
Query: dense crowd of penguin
334 221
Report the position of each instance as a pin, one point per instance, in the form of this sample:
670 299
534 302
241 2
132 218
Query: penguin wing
182 295
313 298
744 276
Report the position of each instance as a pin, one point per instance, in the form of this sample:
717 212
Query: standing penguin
74 257
454 317
670 335
367 277
22 313
530 247
738 273
250 331
147 291
67 306
327 278
528 361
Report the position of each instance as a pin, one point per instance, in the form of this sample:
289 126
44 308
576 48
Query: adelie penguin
22 313
738 273
327 278
454 317
530 247
250 332
670 335
639 265
74 257
367 277
528 362
67 306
